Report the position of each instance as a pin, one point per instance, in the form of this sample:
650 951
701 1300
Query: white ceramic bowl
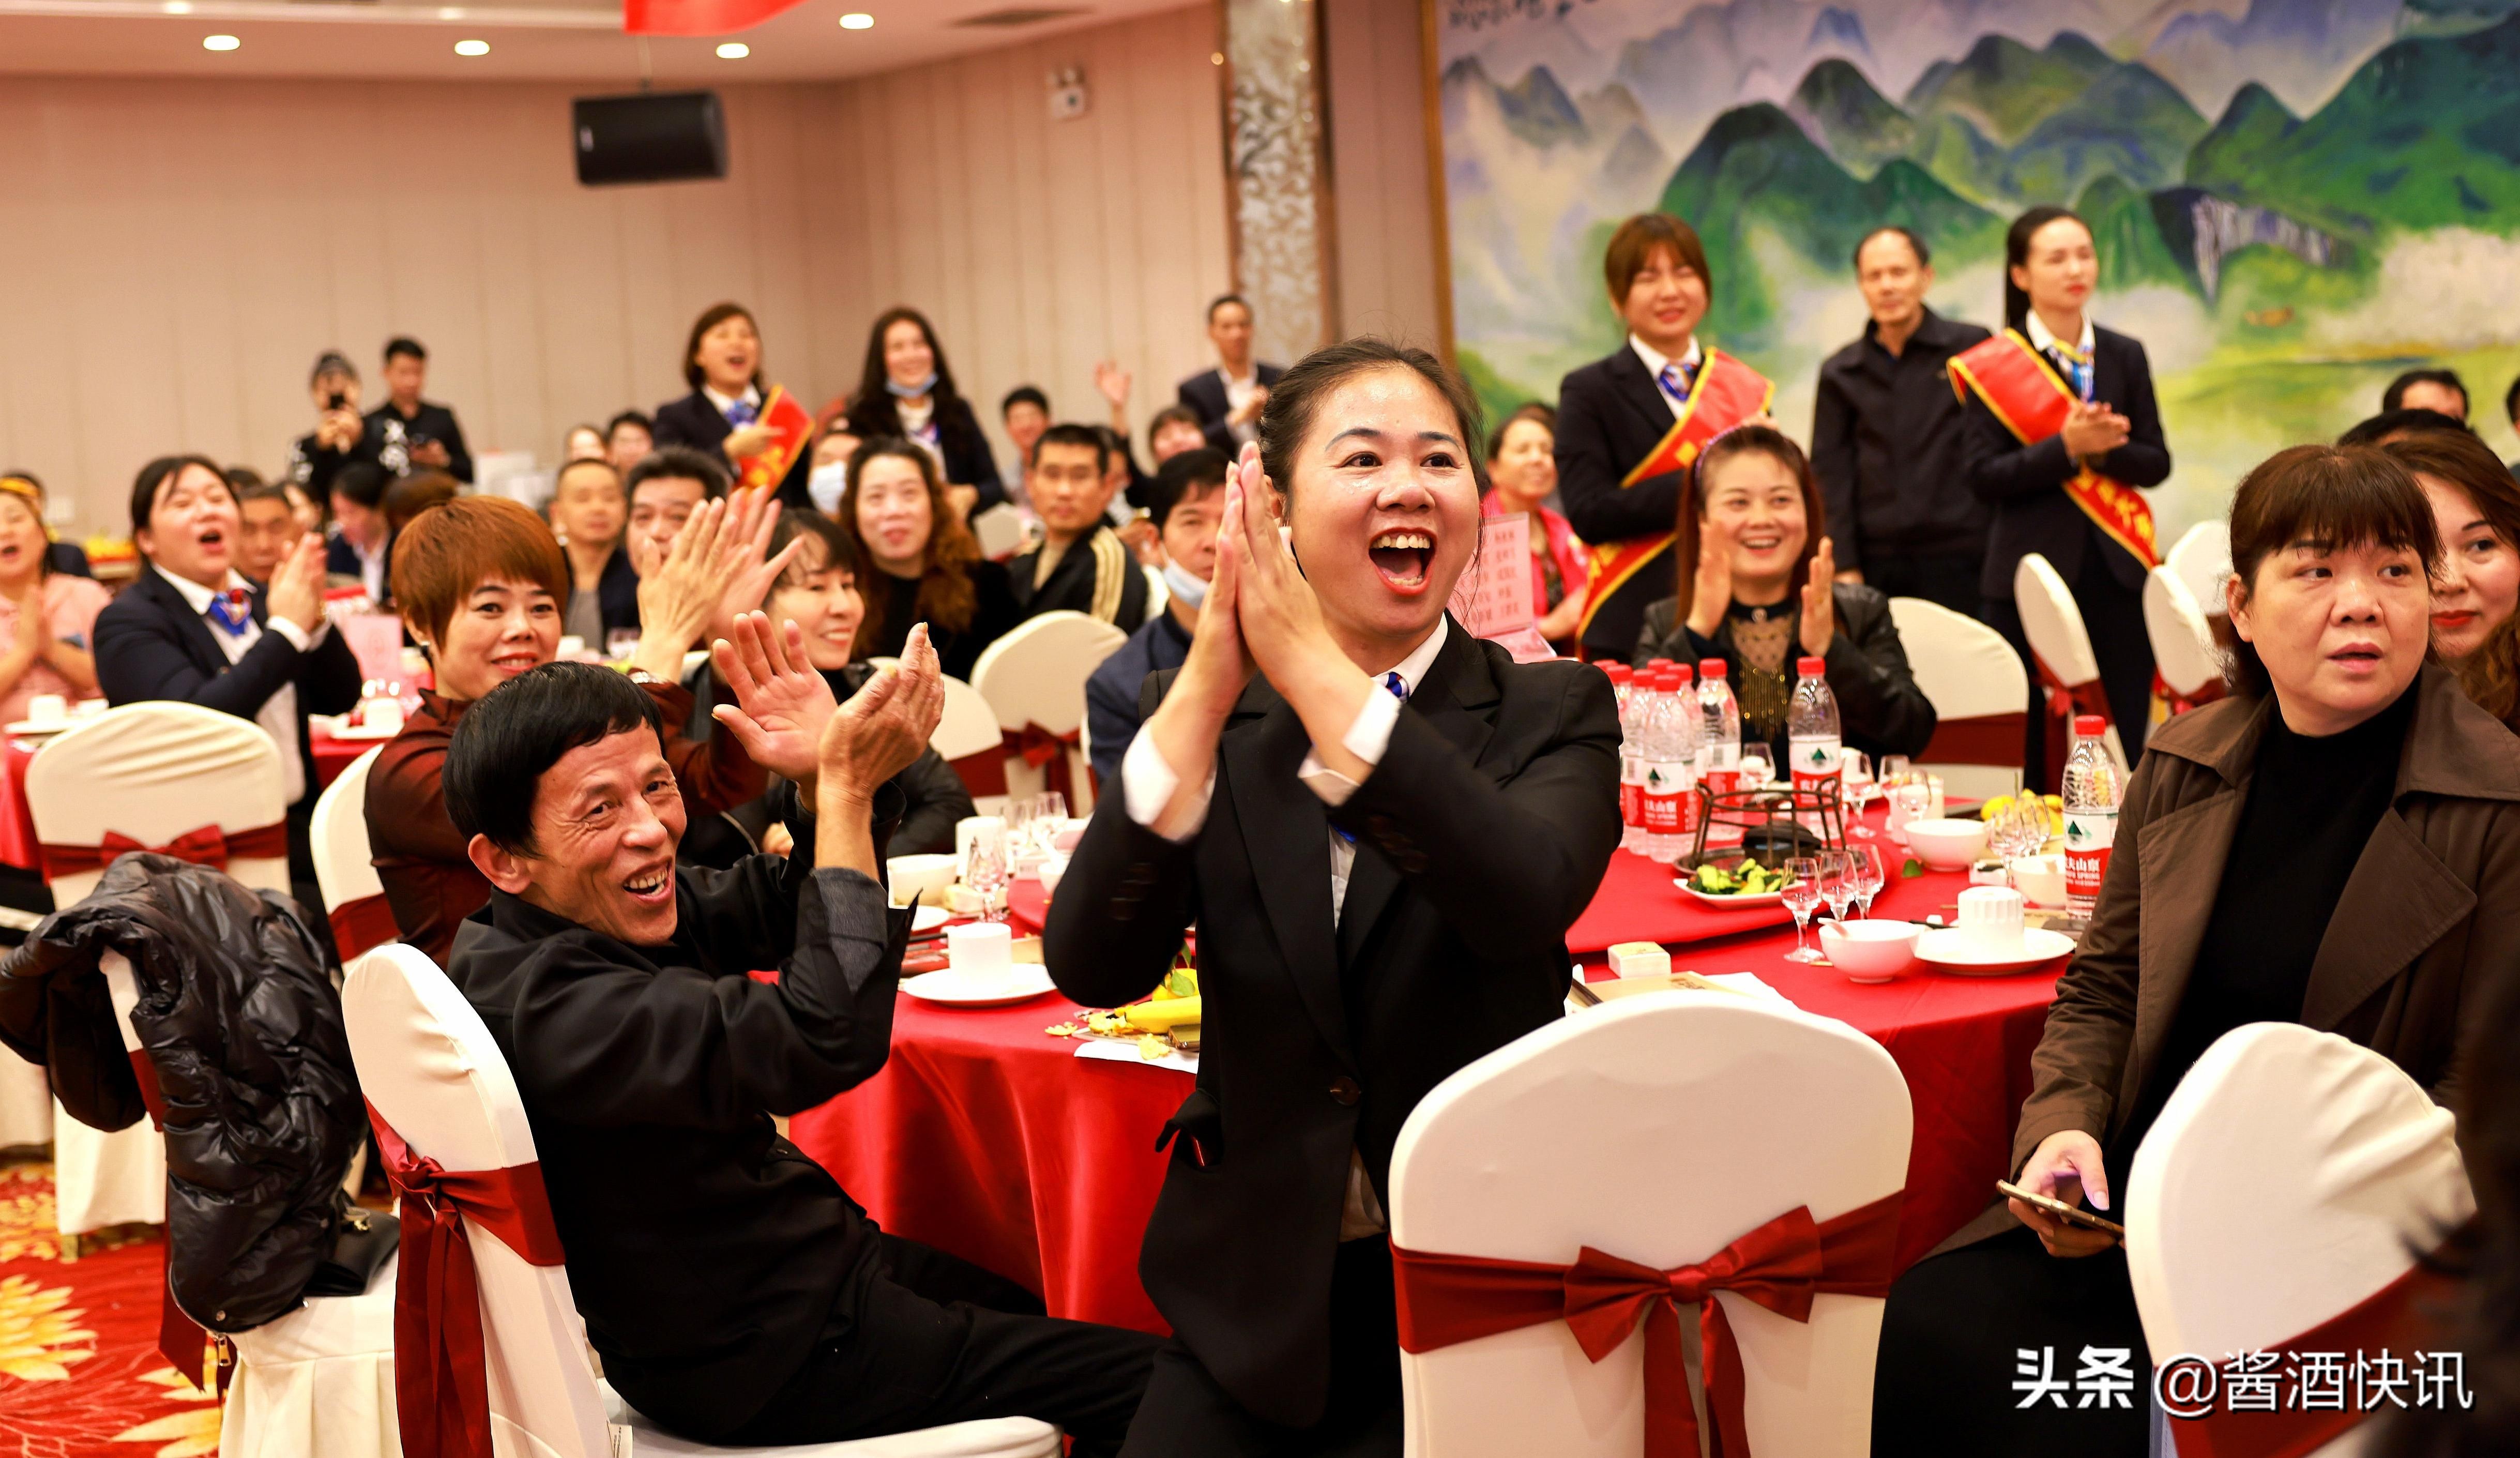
924 877
2041 878
1945 844
1869 952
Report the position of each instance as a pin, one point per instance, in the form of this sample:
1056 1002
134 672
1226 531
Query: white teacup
48 709
1990 918
980 949
382 715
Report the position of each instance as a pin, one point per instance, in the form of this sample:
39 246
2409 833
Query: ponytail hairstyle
2016 255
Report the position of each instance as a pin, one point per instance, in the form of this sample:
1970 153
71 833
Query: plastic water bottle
1632 760
2093 790
1683 689
1670 776
1719 742
1811 739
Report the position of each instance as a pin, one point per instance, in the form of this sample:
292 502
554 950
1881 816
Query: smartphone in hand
2071 1214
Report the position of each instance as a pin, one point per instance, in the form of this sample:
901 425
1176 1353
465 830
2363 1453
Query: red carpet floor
80 1374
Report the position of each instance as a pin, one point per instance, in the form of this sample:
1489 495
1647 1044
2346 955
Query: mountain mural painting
2292 203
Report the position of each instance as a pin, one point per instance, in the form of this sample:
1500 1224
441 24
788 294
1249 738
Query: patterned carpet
80 1374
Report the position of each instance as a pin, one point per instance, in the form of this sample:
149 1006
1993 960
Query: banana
1156 1017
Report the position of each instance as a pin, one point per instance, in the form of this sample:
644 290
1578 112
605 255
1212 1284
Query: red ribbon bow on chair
441 1388
1041 746
207 845
1448 1299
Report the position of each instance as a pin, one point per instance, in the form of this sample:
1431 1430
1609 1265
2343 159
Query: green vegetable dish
1746 878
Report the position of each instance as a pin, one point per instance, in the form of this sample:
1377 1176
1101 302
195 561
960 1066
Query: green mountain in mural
2426 134
1854 122
1958 154
2128 123
1755 172
2004 88
2126 235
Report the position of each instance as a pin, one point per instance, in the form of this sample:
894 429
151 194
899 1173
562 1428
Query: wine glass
1801 896
987 874
1865 862
1855 791
1049 818
1836 882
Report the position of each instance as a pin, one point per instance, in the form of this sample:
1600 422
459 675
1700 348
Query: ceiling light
177 6
472 48
220 42
733 49
856 19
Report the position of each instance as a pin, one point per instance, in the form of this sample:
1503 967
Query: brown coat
2431 911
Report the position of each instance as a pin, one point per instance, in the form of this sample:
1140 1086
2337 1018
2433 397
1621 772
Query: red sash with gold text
2026 396
1724 393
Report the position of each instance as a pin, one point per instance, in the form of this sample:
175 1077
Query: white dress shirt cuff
296 635
1367 735
1147 785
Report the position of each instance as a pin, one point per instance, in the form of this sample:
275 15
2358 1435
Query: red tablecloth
18 846
987 1138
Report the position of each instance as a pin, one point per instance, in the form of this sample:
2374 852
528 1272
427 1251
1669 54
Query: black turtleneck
2312 804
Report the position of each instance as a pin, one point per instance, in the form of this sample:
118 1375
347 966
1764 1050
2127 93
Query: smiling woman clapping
1332 730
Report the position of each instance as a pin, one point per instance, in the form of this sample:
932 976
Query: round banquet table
18 845
988 1138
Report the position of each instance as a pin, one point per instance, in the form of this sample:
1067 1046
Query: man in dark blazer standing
1228 399
1382 828
193 628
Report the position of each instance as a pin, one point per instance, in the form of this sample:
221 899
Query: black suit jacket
695 421
1481 837
1612 415
617 591
2024 483
1204 392
150 644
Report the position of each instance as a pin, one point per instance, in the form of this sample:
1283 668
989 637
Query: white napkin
1115 1050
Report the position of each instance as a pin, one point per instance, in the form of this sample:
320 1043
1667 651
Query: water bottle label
2089 837
1631 793
1816 761
1666 788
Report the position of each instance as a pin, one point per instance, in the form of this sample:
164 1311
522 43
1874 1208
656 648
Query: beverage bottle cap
2090 725
1810 668
1619 672
1710 668
1681 674
1658 664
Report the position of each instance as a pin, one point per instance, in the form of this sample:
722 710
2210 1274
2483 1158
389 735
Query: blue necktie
1675 382
232 610
742 413
2074 366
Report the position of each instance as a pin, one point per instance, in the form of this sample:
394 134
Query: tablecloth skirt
25 1102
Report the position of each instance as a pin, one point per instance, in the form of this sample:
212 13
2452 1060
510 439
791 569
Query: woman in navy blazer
2115 430
906 390
722 362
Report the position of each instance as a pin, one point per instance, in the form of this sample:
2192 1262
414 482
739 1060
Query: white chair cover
344 868
2183 647
969 725
432 1072
2291 1175
2053 623
319 1381
2201 557
153 772
1659 1128
1035 675
1979 691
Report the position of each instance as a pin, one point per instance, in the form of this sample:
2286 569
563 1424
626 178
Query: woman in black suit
906 390
1332 729
722 363
2052 481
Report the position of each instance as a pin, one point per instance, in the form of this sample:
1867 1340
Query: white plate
1947 948
30 729
1764 898
1016 985
355 733
930 918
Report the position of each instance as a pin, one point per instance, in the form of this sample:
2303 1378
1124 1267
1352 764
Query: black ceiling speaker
650 136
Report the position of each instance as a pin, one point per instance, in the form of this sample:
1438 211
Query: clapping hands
782 700
710 574
296 592
2093 428
882 730
1820 600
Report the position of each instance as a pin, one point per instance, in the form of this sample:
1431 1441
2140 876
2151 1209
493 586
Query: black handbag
362 1239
